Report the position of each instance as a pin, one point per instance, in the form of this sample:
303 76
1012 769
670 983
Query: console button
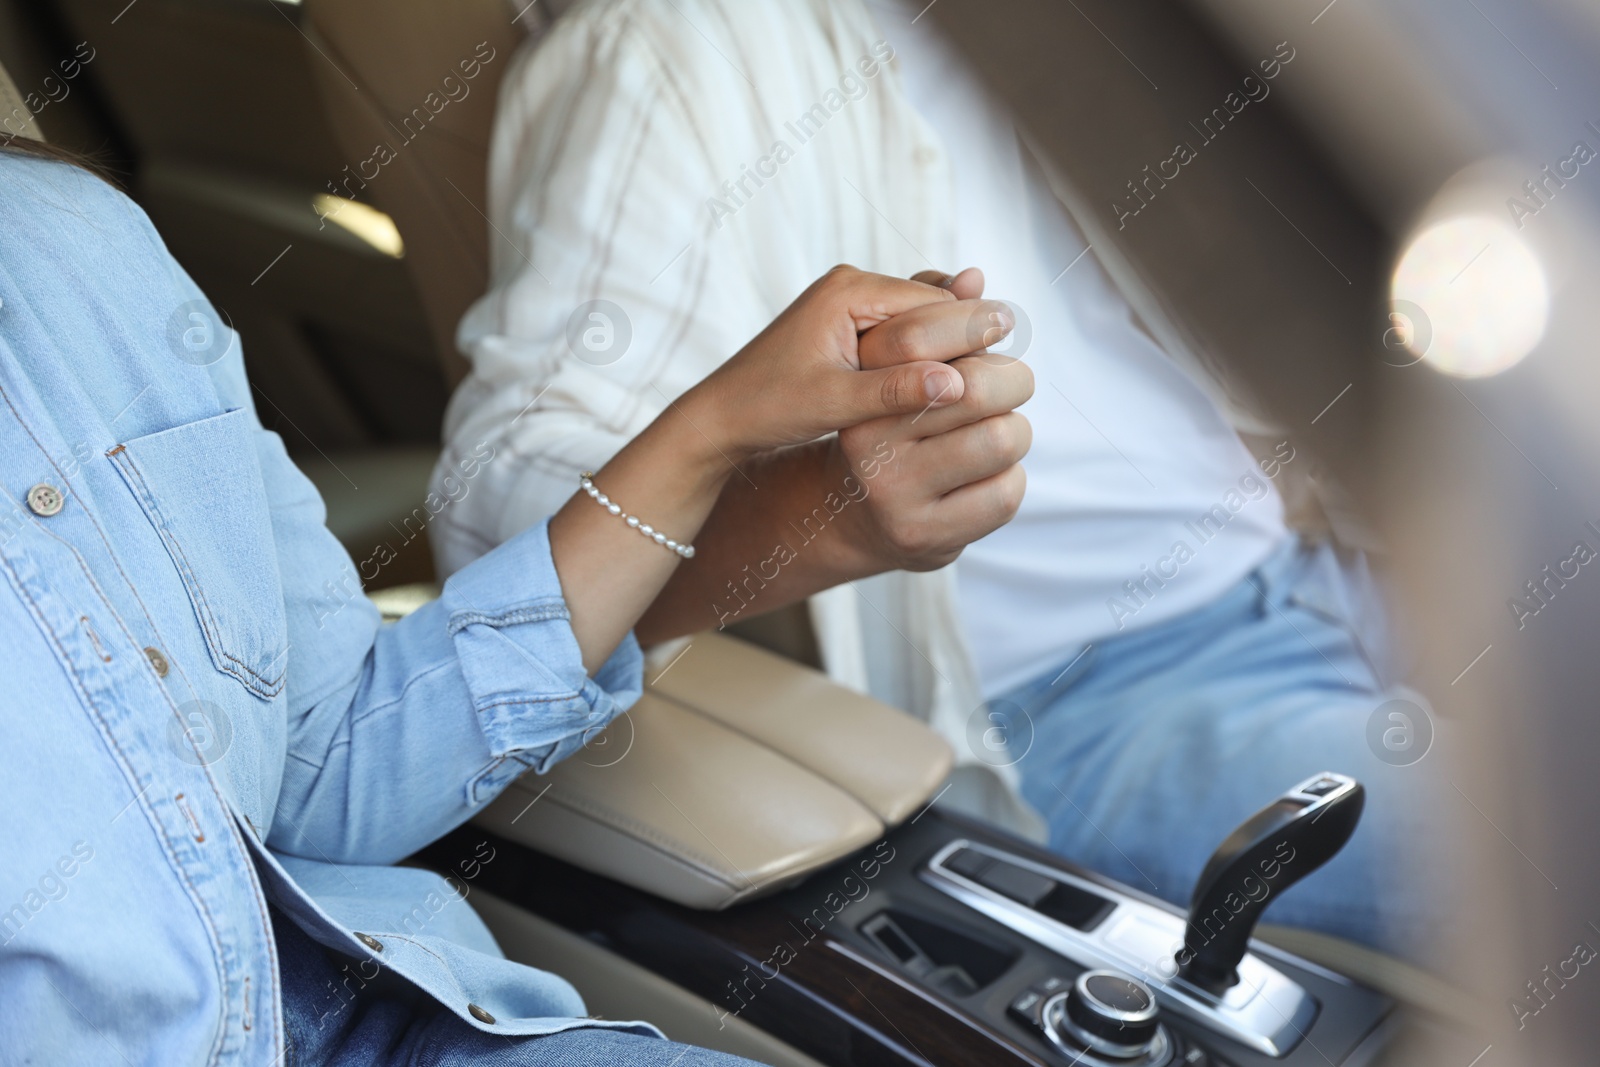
1026 1008
1074 907
1185 1053
1029 1006
1023 886
968 863
1057 900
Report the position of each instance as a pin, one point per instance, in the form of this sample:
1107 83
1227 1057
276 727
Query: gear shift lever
1269 852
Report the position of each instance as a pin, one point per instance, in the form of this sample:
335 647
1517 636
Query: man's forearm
785 530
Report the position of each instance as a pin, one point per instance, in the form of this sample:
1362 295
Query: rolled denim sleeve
535 702
398 733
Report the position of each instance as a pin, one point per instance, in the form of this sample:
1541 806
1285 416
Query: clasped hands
925 418
856 434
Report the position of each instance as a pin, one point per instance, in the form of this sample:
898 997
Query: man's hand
954 475
941 480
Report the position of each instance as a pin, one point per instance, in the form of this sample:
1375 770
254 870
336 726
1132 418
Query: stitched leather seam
672 847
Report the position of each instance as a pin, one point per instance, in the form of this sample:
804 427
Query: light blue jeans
1145 753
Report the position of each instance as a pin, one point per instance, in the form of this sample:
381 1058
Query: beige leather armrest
736 774
886 760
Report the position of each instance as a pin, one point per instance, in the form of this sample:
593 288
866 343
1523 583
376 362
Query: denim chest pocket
200 486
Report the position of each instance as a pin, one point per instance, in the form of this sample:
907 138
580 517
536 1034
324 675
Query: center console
1265 1010
1197 966
948 942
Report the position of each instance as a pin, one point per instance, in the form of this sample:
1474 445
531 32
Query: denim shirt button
158 661
480 1015
367 939
45 500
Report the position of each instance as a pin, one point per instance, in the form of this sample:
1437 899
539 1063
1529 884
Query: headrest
387 70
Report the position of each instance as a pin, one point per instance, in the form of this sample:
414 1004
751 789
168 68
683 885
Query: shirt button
371 942
158 661
480 1015
45 500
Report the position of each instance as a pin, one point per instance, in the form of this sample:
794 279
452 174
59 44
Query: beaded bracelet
586 479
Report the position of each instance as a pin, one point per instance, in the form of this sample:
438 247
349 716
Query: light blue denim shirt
196 718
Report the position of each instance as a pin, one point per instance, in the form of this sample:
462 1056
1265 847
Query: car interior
798 811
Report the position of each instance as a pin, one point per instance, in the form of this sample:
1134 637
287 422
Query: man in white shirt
1144 652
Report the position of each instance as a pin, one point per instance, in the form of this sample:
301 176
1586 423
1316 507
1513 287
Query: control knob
1110 1016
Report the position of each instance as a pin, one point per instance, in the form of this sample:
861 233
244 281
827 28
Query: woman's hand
802 378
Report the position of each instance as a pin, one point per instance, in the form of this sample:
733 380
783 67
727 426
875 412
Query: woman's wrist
692 434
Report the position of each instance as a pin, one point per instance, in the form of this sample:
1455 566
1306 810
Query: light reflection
367 223
1481 290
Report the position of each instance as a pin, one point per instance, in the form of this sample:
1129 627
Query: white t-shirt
1142 502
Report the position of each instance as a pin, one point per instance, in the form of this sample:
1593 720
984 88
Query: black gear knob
1270 851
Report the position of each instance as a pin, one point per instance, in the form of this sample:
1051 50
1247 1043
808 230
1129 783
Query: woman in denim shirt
173 896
